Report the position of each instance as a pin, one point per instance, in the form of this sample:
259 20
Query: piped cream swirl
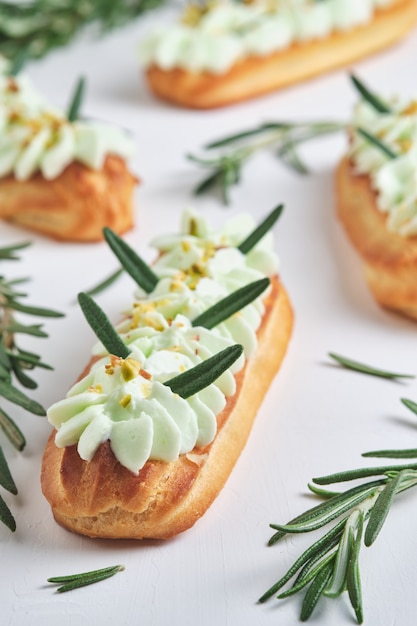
35 136
217 36
393 179
125 401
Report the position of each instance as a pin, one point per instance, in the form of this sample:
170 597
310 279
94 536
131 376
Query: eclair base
390 260
74 206
104 499
255 76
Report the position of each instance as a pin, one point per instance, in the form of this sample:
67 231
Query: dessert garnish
75 581
143 274
15 362
366 369
330 565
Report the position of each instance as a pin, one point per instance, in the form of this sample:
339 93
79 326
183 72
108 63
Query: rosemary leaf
140 271
410 404
364 472
323 493
12 431
34 329
75 581
381 509
33 310
219 143
260 231
327 511
23 378
377 143
76 100
373 100
19 61
353 581
289 155
6 516
320 548
102 327
366 369
314 592
392 454
327 561
337 580
105 283
6 479
29 358
231 304
8 391
205 373
207 183
7 253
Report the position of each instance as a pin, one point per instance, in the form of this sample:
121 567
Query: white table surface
316 418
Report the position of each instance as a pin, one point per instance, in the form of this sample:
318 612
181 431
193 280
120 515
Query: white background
316 418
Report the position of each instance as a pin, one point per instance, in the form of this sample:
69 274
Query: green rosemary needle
377 143
231 304
205 373
105 283
76 100
75 581
370 97
366 369
260 231
140 271
102 327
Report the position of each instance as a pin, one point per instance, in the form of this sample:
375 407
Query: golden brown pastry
100 489
63 177
390 259
74 206
252 75
101 498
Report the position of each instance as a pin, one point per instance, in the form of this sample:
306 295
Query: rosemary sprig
234 151
14 363
140 271
331 564
39 26
366 369
75 581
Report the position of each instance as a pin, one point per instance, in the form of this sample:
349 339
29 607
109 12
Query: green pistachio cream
124 400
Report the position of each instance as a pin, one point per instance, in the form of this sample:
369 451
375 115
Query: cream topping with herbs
34 136
199 267
124 400
213 37
394 179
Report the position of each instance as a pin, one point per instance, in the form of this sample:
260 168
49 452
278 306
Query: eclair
224 52
65 179
133 456
376 193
